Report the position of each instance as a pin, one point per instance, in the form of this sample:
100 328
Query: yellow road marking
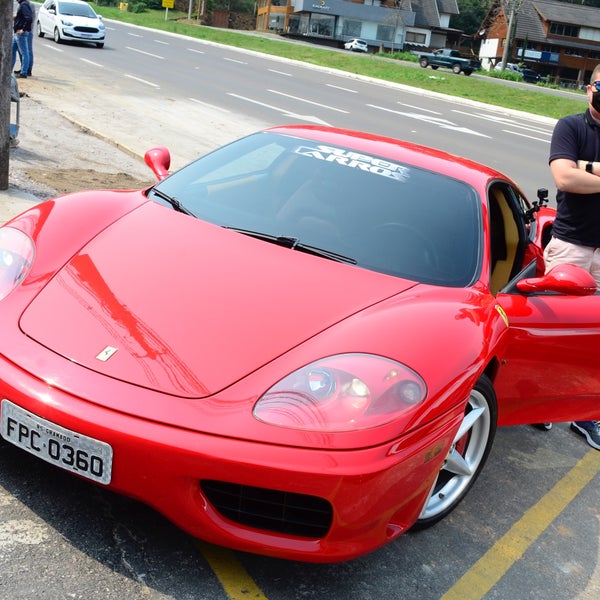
236 582
490 568
484 574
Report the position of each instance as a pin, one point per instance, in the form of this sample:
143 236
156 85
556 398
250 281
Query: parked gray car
529 75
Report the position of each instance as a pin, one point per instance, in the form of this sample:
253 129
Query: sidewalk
73 122
14 201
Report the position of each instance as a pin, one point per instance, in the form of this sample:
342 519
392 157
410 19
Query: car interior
508 237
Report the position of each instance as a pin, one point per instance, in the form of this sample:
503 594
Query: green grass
383 67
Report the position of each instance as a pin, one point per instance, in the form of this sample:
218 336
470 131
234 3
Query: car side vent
271 510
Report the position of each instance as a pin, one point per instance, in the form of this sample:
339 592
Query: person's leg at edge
22 47
30 48
589 430
15 51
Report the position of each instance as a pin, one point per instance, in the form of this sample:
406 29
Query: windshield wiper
280 240
294 244
173 202
324 253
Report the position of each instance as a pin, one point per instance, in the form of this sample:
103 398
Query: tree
6 22
394 21
513 7
472 13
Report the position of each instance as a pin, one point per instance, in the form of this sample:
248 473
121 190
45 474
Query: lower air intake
271 510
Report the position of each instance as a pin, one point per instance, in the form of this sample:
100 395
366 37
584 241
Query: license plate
62 447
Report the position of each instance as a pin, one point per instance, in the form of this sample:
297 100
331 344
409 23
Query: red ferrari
299 345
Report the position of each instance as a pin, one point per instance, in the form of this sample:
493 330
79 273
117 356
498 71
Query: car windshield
76 10
378 214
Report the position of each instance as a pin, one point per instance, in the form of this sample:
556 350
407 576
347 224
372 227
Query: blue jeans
20 44
30 48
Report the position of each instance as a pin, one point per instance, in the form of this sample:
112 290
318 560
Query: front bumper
293 503
71 33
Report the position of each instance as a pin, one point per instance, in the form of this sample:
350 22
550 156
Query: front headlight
16 257
347 392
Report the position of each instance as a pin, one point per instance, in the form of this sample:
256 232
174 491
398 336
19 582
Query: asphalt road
528 529
202 94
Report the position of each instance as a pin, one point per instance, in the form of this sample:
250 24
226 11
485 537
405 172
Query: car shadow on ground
95 535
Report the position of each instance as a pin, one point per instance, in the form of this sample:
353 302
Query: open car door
550 371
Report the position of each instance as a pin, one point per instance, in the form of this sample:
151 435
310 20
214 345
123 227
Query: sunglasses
595 86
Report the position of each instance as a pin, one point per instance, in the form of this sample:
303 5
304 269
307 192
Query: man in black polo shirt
575 166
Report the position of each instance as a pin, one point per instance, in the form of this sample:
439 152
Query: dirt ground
70 180
56 156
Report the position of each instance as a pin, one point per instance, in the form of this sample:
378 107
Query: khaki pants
587 257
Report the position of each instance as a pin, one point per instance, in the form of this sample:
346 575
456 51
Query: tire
423 62
99 44
456 69
57 37
467 72
39 30
467 456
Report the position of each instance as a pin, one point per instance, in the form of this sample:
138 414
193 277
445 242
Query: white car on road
356 45
70 20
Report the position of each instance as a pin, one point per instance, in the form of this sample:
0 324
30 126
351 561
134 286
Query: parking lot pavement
527 530
13 202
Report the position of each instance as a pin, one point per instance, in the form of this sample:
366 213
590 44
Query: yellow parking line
236 582
490 568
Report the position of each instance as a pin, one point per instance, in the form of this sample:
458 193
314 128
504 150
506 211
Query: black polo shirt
577 137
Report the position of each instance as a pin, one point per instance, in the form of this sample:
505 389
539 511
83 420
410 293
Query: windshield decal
355 160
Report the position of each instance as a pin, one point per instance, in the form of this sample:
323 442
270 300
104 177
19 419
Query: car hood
81 21
183 307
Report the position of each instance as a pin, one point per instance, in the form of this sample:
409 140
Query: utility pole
512 8
6 28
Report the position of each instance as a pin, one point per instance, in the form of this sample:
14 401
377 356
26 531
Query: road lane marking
531 137
291 115
308 101
154 85
343 89
433 112
236 582
442 123
494 564
91 62
145 53
509 122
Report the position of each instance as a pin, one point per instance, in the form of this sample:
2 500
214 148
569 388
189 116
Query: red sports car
299 345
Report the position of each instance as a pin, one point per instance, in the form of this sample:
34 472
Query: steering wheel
402 248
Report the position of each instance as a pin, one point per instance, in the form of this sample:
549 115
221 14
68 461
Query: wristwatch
589 167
